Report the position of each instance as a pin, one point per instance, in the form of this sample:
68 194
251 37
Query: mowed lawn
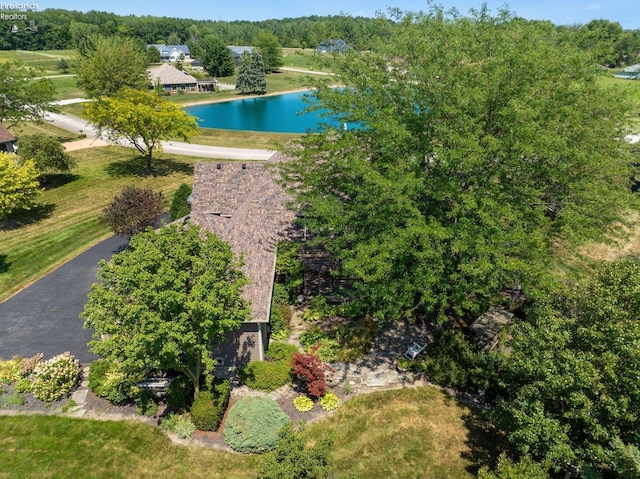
409 433
68 218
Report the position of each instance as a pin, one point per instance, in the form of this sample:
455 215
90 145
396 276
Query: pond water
278 113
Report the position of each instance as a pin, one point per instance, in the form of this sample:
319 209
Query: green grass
409 433
67 222
46 60
38 447
46 128
67 87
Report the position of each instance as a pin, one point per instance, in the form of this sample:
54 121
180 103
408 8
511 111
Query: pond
278 113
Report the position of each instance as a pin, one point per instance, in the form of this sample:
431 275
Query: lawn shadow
52 181
135 167
4 264
21 218
485 443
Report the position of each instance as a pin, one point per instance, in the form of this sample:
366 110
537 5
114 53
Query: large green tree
109 64
19 185
142 119
164 301
216 56
251 75
23 95
570 390
269 47
466 149
48 153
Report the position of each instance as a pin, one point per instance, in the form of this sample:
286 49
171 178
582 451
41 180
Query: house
333 46
171 53
177 81
242 204
236 52
7 140
630 73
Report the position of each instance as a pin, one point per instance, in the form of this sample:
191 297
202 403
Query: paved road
44 318
78 125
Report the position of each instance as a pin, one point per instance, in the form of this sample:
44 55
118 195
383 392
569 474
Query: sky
560 12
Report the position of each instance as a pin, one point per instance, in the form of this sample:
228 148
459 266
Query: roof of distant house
5 135
170 75
243 205
237 51
167 49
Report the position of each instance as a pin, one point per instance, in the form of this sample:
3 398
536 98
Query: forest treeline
53 29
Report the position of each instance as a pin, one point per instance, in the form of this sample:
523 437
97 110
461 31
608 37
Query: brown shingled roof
170 75
243 205
5 135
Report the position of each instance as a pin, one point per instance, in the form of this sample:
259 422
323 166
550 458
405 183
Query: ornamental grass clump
303 404
178 425
56 377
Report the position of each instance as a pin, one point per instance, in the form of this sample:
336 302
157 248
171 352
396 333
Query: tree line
55 29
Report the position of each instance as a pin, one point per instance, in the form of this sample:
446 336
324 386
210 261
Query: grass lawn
67 222
49 447
47 60
409 433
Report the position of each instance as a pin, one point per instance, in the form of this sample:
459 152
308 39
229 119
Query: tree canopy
109 64
162 303
24 96
270 49
143 119
570 391
19 185
215 56
48 153
251 75
473 145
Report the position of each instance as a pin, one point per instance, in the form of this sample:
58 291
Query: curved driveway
44 317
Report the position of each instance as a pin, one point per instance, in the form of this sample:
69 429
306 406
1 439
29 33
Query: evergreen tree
244 74
258 75
216 56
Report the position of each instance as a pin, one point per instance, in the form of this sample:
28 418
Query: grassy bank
67 220
409 433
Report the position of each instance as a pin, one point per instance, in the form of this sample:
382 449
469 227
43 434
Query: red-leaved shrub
308 368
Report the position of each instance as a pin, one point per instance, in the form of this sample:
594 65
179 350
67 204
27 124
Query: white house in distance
172 53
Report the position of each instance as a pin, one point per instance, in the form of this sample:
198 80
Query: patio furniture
414 350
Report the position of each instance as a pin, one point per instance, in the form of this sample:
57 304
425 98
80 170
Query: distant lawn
45 128
410 433
67 87
46 60
37 447
67 222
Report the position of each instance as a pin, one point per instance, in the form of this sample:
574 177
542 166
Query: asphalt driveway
45 317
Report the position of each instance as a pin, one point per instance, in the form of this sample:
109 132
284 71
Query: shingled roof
5 135
170 75
243 205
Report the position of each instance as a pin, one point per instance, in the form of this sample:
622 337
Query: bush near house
179 205
253 424
308 368
266 376
209 405
56 377
108 381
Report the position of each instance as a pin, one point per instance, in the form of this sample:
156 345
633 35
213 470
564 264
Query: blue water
280 113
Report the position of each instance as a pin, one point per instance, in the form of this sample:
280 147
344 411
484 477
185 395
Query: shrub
56 377
450 360
27 365
107 380
253 424
327 348
134 210
209 406
146 402
279 351
265 375
289 269
303 403
10 370
329 402
23 385
309 368
319 309
13 399
179 206
179 394
178 425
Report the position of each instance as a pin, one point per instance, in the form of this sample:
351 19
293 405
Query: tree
19 186
251 75
216 56
142 119
165 300
525 469
134 210
111 64
461 170
153 55
180 206
24 96
599 37
570 391
292 460
270 49
47 153
308 368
